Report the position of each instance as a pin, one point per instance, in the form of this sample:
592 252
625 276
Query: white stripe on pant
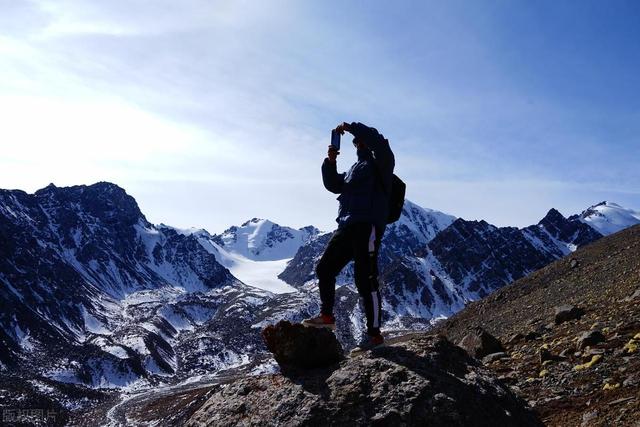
374 294
376 317
372 239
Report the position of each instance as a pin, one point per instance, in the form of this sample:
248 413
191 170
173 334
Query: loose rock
588 417
532 335
634 296
480 343
494 356
565 313
590 338
567 352
632 381
546 355
515 338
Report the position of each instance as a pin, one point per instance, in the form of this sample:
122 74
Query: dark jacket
364 187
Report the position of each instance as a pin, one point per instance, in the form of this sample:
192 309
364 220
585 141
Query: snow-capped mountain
609 218
432 264
257 251
263 240
480 258
415 229
92 294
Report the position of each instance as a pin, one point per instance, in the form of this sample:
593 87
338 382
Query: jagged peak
553 216
253 221
99 199
106 185
473 222
312 230
103 186
603 204
410 205
189 231
553 212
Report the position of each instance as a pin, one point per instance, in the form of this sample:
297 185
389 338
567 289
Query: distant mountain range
92 294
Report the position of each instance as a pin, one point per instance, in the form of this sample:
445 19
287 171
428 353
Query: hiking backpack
397 193
396 198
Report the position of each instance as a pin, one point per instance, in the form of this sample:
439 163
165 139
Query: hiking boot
321 321
368 342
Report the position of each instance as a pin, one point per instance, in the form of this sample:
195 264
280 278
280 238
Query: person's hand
332 153
342 127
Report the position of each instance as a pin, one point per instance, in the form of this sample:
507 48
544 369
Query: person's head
359 144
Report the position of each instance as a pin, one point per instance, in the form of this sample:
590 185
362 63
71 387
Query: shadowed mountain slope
549 363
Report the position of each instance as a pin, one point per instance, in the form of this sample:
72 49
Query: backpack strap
378 174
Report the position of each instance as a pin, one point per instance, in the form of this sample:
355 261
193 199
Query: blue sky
214 112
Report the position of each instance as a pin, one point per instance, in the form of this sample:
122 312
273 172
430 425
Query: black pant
359 242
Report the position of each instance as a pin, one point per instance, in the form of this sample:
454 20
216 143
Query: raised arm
374 140
332 180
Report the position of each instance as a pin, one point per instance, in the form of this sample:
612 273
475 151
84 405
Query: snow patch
259 274
92 324
136 343
24 338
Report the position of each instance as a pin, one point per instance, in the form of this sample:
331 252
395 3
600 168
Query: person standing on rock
362 218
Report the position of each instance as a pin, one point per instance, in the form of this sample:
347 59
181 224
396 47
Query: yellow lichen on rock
631 346
595 359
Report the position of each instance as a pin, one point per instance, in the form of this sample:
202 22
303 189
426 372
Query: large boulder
423 380
480 343
297 346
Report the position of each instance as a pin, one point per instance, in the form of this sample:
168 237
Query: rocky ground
416 380
583 369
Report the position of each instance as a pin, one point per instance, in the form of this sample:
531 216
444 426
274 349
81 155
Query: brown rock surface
423 380
568 391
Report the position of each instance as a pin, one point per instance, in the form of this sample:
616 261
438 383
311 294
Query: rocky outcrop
296 346
423 380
